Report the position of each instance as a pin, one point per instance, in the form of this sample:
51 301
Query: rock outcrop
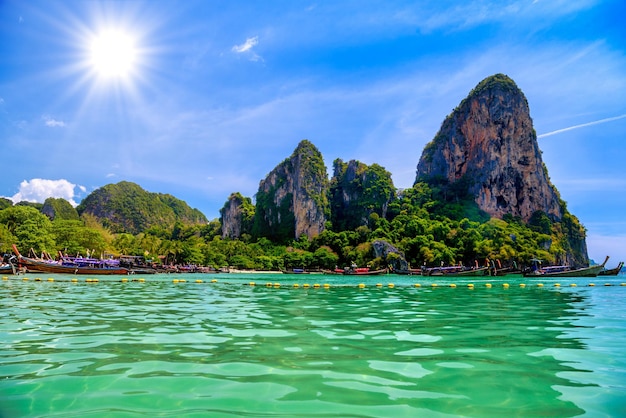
236 216
292 200
59 208
489 143
357 191
126 207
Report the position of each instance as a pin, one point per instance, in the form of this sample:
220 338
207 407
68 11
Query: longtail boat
455 271
565 271
357 271
612 272
69 265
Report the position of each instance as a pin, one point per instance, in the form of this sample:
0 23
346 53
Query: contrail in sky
597 122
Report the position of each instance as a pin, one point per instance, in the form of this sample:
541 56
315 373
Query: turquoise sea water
227 349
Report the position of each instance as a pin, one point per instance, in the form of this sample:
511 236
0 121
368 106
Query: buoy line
277 285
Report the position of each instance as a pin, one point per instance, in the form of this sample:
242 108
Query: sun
113 53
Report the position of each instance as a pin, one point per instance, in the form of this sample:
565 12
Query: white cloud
246 46
53 123
38 190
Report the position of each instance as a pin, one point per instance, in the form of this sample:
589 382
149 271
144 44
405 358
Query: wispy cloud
582 125
246 48
53 123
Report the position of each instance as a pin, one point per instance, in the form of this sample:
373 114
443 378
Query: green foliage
356 192
30 227
5 203
59 208
126 207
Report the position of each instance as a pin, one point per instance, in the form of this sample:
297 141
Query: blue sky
214 94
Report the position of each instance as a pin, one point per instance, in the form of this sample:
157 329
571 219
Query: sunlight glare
113 54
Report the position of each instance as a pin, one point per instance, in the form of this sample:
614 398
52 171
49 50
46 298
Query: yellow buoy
417 285
522 285
296 285
175 281
276 284
74 280
199 281
592 284
5 278
306 285
391 285
361 285
557 284
96 280
37 279
214 281
142 280
326 285
268 284
505 285
50 279
539 284
470 285
183 281
124 280
379 285
487 284
433 285
572 285
316 285
25 279
608 284
452 285
252 284
622 284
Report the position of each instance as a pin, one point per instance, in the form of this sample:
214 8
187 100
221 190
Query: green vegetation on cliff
126 207
356 192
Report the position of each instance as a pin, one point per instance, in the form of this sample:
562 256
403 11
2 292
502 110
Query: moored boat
564 271
612 272
455 271
364 271
295 271
69 265
356 271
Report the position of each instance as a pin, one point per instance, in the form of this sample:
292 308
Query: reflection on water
157 348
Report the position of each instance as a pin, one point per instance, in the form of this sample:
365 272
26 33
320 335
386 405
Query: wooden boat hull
7 269
31 264
44 267
435 271
592 271
612 272
365 273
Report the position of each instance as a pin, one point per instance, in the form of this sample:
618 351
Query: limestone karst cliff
489 142
357 191
293 199
487 148
237 216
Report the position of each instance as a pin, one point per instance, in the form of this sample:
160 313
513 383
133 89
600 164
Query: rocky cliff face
236 216
358 190
489 142
292 199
